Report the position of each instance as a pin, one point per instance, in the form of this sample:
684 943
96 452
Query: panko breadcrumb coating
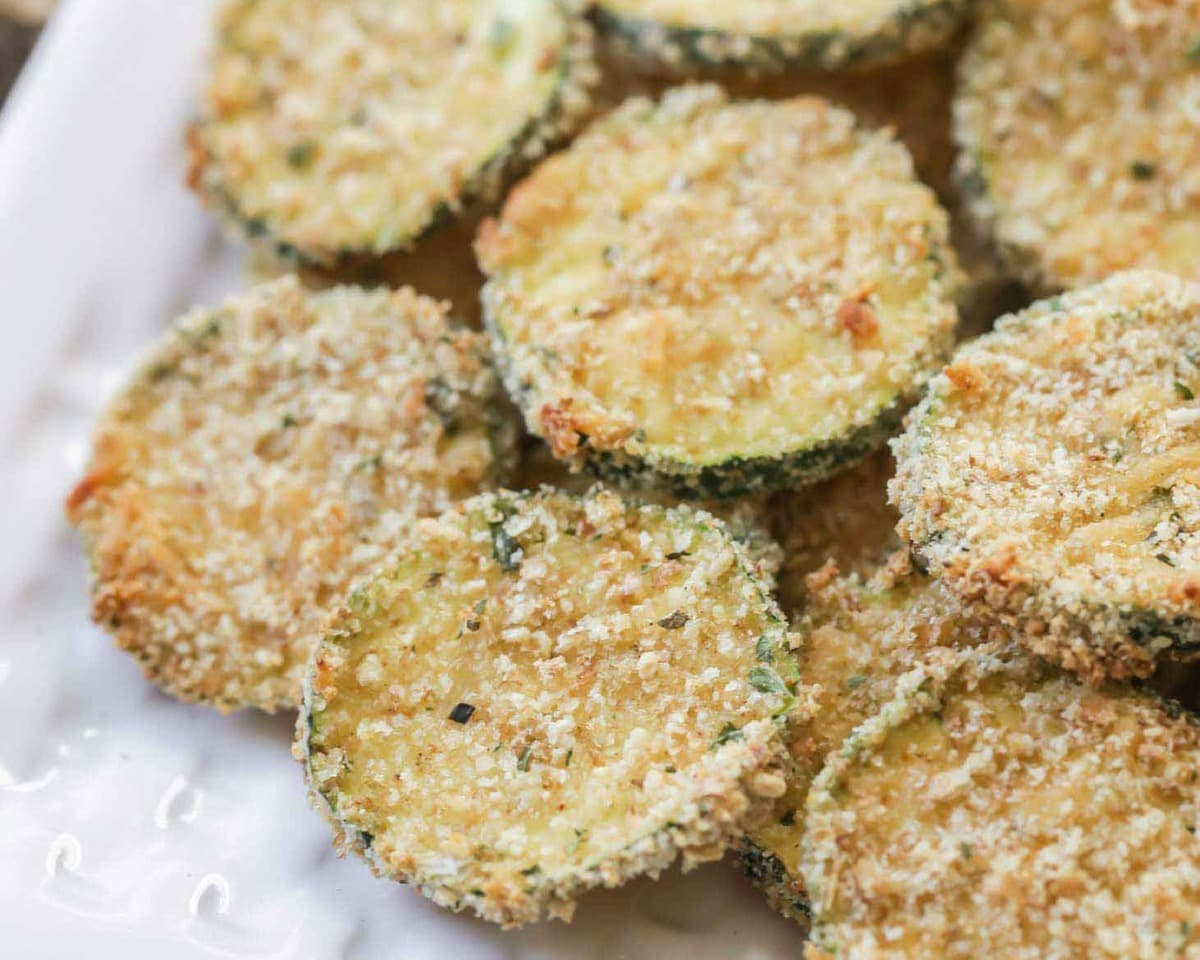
343 128
1003 809
787 281
685 35
858 639
264 456
1079 128
544 693
1052 474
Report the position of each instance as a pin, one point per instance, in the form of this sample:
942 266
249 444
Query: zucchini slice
1076 122
719 298
846 520
336 129
685 35
1052 474
858 640
543 693
1006 810
264 456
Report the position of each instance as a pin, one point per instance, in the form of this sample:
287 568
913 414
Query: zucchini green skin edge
737 476
910 31
648 854
784 892
501 168
1125 628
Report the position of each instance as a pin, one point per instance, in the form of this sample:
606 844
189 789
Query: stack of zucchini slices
718 310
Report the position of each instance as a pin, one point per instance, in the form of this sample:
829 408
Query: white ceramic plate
132 826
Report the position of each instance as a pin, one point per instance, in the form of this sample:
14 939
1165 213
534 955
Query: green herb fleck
301 155
676 621
289 421
1163 558
678 554
766 680
762 650
1140 170
728 734
1193 53
570 754
481 605
434 579
503 34
505 549
966 851
462 712
855 682
371 464
526 756
1183 391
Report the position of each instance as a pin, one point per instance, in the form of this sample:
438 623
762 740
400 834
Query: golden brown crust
1001 809
1050 475
264 456
460 727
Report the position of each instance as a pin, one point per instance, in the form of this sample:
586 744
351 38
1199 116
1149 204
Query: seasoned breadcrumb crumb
1079 128
1002 809
544 693
264 456
725 240
768 35
341 128
1052 474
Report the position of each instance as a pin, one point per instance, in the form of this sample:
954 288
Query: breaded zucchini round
777 34
846 520
1077 124
1052 474
859 639
544 693
338 128
1005 810
718 297
264 456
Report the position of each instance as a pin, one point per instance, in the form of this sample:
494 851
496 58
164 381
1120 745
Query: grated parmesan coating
1052 474
542 693
342 128
1004 810
858 640
684 35
787 282
264 456
846 520
1079 128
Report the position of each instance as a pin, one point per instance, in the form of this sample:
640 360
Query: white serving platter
132 826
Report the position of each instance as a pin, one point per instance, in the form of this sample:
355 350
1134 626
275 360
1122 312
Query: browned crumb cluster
1052 474
349 128
1079 124
787 280
1002 809
543 693
265 455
